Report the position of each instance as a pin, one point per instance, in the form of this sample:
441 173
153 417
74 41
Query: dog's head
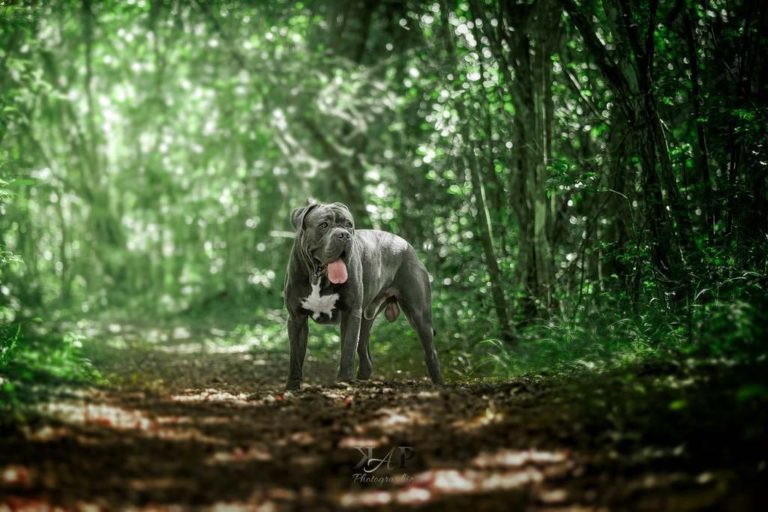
325 233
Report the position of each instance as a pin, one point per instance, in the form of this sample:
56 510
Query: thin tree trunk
700 150
507 333
528 33
486 237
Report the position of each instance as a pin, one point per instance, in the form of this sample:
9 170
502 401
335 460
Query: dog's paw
344 377
293 385
342 384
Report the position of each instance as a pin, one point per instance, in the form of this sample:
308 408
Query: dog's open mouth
337 270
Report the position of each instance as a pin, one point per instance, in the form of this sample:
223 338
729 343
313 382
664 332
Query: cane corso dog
339 274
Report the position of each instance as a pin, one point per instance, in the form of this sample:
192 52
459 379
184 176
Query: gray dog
339 274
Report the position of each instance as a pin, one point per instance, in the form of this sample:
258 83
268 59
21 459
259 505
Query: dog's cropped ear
297 216
341 205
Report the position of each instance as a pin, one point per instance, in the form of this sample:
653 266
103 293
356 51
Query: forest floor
183 421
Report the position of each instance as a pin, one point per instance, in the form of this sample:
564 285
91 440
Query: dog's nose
343 235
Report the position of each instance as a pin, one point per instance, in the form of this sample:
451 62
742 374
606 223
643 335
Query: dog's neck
304 261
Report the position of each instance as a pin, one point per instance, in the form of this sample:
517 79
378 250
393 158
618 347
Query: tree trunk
700 151
486 237
483 219
531 44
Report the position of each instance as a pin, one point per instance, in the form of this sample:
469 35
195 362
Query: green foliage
8 342
29 364
150 155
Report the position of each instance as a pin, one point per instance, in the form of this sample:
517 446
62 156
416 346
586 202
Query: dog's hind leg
415 299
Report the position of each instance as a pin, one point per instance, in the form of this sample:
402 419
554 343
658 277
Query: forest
586 182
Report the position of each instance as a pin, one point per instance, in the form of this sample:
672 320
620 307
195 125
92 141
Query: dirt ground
191 425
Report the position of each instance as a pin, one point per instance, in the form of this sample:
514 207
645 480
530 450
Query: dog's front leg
297 335
350 335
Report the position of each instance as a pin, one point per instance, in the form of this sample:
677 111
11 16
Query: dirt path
193 424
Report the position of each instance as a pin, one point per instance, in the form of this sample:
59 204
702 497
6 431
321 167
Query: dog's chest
323 304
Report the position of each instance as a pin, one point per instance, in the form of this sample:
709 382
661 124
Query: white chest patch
320 304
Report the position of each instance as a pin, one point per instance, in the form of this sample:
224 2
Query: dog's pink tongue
337 272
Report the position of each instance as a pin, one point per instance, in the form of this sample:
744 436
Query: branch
574 84
612 73
631 28
649 42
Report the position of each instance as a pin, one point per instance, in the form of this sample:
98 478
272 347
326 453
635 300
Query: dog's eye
323 225
349 224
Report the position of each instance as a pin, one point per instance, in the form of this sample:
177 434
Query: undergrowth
34 360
